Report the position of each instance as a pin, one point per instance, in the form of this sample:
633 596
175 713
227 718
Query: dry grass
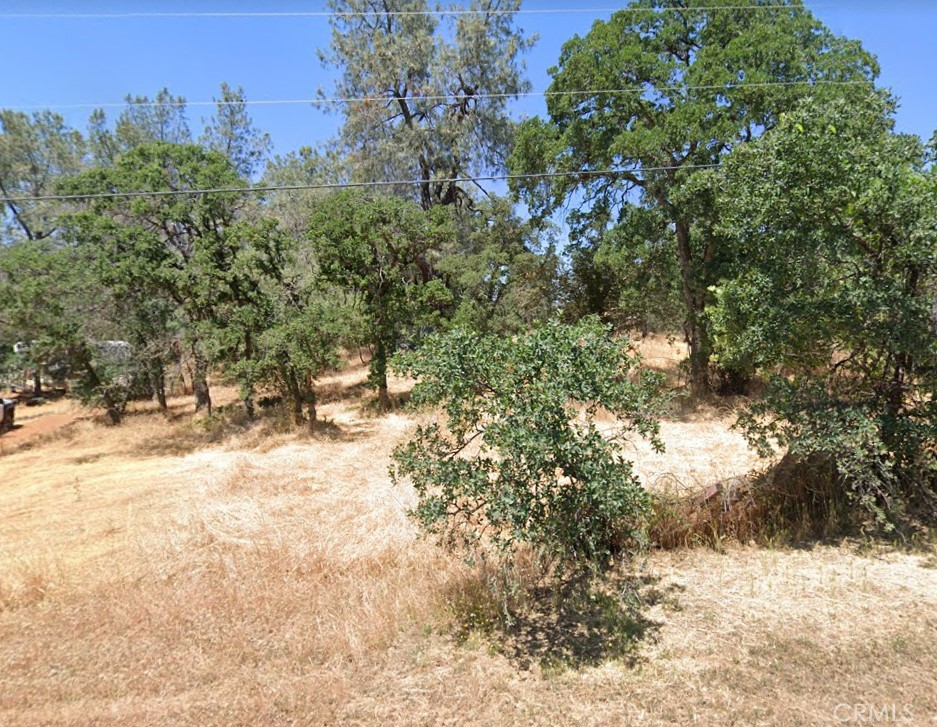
272 578
701 445
664 354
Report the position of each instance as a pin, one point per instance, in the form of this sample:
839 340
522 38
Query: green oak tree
502 271
301 341
628 274
36 150
519 456
834 223
656 91
179 247
376 249
277 328
53 302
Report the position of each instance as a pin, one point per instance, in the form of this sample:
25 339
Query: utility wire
342 185
326 100
373 13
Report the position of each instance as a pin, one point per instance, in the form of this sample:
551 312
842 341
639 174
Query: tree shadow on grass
581 622
228 424
369 404
328 430
339 391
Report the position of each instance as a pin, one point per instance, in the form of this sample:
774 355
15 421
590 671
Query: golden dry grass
701 445
272 578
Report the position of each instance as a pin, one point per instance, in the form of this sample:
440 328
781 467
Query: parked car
7 410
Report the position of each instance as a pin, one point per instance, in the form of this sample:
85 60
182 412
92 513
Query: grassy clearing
262 576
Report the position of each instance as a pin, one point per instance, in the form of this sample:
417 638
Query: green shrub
835 221
521 457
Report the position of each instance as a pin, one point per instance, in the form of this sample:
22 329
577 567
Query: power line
338 14
326 100
342 185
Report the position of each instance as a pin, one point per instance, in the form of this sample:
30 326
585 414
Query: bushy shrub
522 456
834 218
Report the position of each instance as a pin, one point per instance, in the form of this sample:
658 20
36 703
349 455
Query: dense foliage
833 219
530 447
378 249
701 75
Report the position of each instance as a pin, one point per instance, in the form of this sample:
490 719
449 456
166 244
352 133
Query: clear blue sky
71 61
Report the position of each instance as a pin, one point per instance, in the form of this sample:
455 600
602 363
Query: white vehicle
7 411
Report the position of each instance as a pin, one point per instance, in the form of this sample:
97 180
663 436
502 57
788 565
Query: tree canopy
520 457
431 101
833 219
728 170
649 96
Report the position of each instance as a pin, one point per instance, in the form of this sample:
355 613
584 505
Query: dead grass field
167 573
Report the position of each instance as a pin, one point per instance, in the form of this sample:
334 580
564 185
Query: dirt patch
35 422
38 427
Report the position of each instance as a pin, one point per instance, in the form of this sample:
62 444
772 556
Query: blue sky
71 61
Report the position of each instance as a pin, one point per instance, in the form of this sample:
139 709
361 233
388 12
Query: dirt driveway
31 422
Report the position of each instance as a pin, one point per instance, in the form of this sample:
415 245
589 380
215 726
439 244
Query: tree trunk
249 388
161 399
693 327
113 408
296 398
200 382
248 401
158 384
313 417
933 315
379 374
37 381
114 414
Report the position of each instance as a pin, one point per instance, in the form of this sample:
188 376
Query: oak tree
656 91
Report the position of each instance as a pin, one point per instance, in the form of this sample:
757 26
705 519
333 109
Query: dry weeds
273 578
